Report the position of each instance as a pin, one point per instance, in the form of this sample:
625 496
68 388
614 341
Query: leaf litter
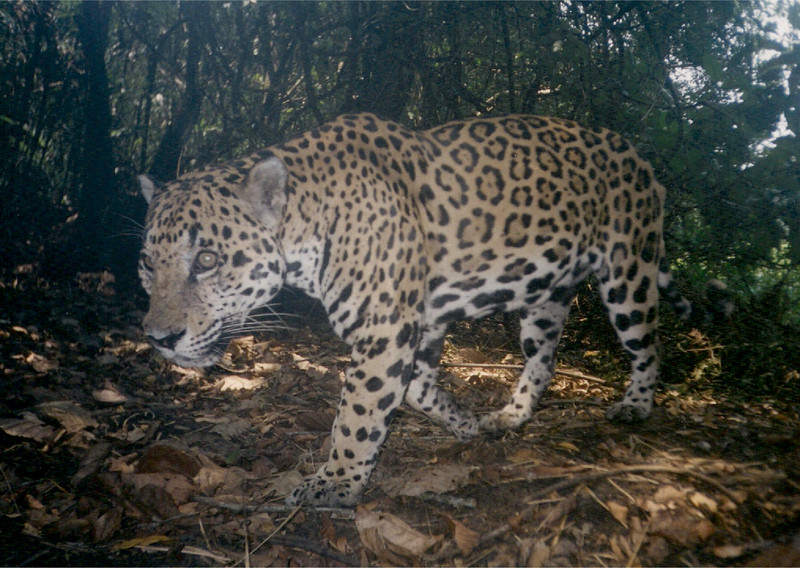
111 455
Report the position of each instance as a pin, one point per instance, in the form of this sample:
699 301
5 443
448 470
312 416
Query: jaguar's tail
718 304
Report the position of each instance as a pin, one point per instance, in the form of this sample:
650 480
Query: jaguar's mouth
201 359
198 355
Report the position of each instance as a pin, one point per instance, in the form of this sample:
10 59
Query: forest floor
111 456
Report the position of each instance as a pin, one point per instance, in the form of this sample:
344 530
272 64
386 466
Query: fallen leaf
430 479
568 447
618 511
283 482
525 455
128 433
258 524
557 512
29 426
166 459
107 524
40 363
315 421
681 527
232 428
465 538
121 464
71 416
33 502
703 502
657 550
174 485
668 493
92 460
539 555
142 541
729 550
235 382
389 537
109 394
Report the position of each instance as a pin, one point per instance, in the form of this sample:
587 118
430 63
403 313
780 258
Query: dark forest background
93 93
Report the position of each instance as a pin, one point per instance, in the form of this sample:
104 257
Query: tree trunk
97 165
166 163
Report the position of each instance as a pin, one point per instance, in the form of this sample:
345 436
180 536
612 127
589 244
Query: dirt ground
111 456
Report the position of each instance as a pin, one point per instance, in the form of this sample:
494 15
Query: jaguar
400 232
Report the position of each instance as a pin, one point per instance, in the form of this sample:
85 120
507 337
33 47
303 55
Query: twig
10 490
278 529
188 550
314 548
343 512
553 402
639 543
579 375
566 373
484 366
449 500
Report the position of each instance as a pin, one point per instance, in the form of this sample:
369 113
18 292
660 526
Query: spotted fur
399 233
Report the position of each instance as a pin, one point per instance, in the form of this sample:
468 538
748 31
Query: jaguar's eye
205 260
147 264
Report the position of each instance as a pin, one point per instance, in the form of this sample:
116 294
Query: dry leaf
389 537
235 382
40 363
729 550
143 541
109 394
657 550
525 455
316 421
539 555
431 479
533 552
668 494
29 426
71 416
283 482
107 524
120 464
258 525
568 447
177 486
703 502
555 514
210 477
33 502
618 511
166 459
681 527
232 428
465 538
92 460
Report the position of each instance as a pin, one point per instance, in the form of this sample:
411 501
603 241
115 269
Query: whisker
246 323
134 228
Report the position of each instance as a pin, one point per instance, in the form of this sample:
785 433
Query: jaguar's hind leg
541 328
424 394
632 302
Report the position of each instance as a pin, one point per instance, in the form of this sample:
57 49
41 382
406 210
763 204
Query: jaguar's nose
168 341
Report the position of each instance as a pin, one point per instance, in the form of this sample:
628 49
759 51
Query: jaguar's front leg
375 385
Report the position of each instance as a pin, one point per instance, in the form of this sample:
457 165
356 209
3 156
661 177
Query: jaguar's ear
148 186
265 190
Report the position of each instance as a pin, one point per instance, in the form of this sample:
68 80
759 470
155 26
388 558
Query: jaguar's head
211 254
